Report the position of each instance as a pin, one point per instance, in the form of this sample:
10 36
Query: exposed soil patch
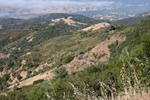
29 37
4 56
68 21
96 26
23 62
77 65
23 74
46 75
101 52
28 53
102 48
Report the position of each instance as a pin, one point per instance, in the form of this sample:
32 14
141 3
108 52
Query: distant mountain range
134 19
99 9
11 23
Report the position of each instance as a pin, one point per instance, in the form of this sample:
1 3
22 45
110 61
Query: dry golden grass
96 26
68 21
102 48
4 56
138 96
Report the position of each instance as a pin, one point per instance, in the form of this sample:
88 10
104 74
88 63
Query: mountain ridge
110 9
131 20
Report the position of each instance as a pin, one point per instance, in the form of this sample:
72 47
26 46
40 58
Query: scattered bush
60 72
38 81
68 59
19 77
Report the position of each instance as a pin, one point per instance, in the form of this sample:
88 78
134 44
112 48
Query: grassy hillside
134 19
42 46
131 20
53 49
41 22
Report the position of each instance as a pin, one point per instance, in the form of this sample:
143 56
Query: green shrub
68 59
38 81
58 64
60 72
15 95
1 68
19 77
146 43
6 77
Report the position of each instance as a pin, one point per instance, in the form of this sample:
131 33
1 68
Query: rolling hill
134 19
45 20
50 57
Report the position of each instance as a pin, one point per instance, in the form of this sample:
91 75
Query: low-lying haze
100 9
47 3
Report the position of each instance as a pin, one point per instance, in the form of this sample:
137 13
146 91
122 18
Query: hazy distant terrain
100 9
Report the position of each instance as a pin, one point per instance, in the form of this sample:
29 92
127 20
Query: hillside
54 60
134 19
42 21
96 26
38 46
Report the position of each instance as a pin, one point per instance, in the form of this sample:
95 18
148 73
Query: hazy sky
47 3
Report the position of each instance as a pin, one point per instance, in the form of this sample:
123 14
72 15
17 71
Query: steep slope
82 65
26 51
73 65
125 71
